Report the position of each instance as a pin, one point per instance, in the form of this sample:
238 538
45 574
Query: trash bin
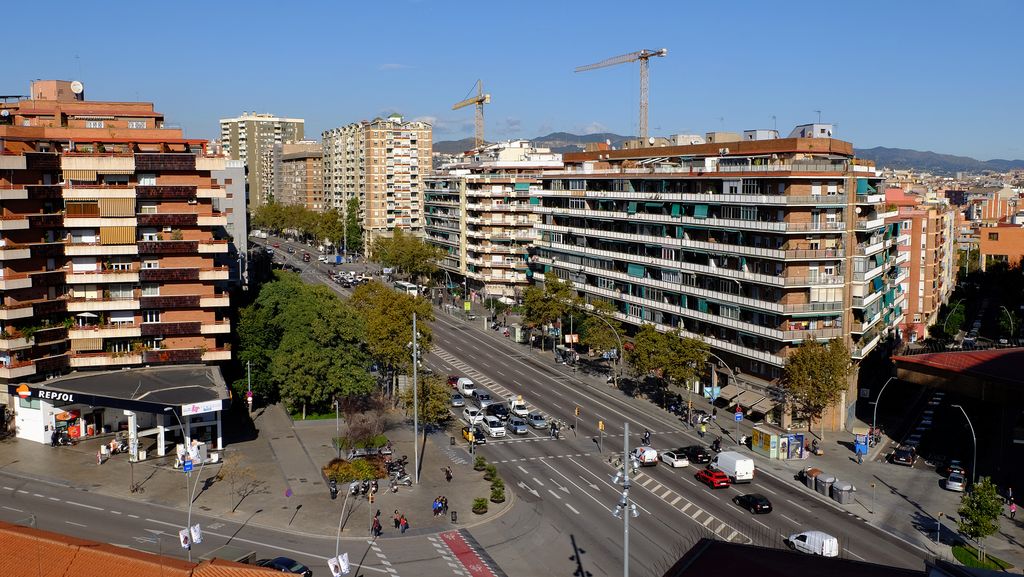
810 474
842 492
823 484
451 441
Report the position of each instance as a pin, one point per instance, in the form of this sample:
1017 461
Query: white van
517 407
646 456
465 386
739 468
815 543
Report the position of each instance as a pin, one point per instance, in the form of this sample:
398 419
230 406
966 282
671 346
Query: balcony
213 220
12 193
171 329
205 163
97 249
109 331
218 273
180 162
14 222
173 356
167 219
170 302
168 274
44 220
211 192
17 369
168 247
105 163
870 224
14 280
213 247
103 276
50 307
216 355
165 192
105 359
84 305
45 191
11 251
216 328
14 312
10 162
214 302
11 342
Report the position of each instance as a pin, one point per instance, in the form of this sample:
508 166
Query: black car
696 454
497 410
756 503
286 565
904 456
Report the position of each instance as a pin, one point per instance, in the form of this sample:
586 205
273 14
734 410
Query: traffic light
577 410
600 425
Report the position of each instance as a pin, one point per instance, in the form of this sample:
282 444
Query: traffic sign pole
739 417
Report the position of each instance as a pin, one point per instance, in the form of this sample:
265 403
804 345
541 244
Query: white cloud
448 126
591 128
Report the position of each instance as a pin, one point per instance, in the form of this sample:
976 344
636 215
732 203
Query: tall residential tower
248 136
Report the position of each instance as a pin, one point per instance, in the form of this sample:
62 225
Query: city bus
408 288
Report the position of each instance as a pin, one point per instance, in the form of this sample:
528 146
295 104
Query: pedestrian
375 528
403 524
1013 509
398 518
53 438
436 506
714 413
448 474
703 430
444 505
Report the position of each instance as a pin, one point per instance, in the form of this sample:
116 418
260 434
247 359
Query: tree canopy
387 316
434 399
409 255
599 328
319 226
979 510
815 375
672 357
544 305
305 347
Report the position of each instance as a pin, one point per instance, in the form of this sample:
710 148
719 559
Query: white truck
738 467
517 407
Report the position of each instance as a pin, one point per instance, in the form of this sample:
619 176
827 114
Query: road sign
739 416
187 465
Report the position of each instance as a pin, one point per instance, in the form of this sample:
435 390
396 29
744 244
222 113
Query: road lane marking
686 508
522 469
83 505
133 516
676 500
13 509
538 481
6 488
571 508
783 515
593 498
666 493
762 487
75 524
854 554
54 498
798 506
556 495
116 512
761 524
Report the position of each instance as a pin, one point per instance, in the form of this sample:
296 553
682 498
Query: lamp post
624 507
337 427
950 314
341 518
733 376
874 413
189 494
618 356
415 400
1009 317
974 440
938 527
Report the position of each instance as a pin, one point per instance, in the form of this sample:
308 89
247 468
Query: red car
713 478
453 381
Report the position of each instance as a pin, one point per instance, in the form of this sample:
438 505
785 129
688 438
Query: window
153 343
993 236
147 180
729 312
151 263
149 234
150 316
147 208
635 310
120 263
94 124
136 124
28 403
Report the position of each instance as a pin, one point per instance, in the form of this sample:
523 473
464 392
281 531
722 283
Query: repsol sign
56 396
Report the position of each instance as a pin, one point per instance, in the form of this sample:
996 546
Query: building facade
383 163
927 257
232 205
108 242
247 137
300 181
479 213
1002 244
752 247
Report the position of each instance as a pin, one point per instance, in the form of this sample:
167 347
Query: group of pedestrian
440 505
401 523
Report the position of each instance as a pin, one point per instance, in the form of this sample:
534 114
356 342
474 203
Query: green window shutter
631 209
682 302
879 259
864 187
700 211
654 205
534 200
877 283
702 305
676 208
636 270
522 186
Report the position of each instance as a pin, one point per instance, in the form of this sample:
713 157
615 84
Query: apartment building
927 256
382 163
248 137
752 246
232 205
479 213
300 179
1003 243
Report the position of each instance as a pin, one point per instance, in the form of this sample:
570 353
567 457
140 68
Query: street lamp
624 502
415 399
1010 318
949 315
189 494
733 376
974 440
874 414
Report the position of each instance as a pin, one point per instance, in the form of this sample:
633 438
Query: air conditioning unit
167 229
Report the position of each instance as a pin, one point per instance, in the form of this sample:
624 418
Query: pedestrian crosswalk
688 508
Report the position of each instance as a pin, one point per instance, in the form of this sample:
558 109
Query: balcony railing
168 274
171 329
168 247
173 356
183 162
167 219
170 192
171 301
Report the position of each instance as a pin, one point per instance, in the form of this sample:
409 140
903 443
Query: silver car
537 420
516 426
955 482
458 400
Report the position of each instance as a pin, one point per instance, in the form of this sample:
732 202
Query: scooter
402 479
716 445
364 488
353 488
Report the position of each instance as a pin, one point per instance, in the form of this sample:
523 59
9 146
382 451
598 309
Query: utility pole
415 400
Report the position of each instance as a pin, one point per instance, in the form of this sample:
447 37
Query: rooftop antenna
775 125
819 116
721 122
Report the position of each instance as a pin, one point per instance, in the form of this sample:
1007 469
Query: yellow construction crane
480 99
643 56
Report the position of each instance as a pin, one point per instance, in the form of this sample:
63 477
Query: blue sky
937 75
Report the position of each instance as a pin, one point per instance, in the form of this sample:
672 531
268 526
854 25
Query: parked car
466 386
756 503
472 416
291 250
904 456
516 426
675 458
954 466
697 454
713 478
815 543
537 420
955 482
493 427
474 435
453 381
458 400
286 565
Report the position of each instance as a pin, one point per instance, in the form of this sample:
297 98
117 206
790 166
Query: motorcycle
716 445
402 479
364 487
353 488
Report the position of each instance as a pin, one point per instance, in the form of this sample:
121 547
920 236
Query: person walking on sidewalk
403 524
1013 509
448 474
375 528
703 430
398 518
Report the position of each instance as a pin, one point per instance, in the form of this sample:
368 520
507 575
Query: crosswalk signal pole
600 438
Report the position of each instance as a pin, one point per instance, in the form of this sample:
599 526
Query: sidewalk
902 501
281 487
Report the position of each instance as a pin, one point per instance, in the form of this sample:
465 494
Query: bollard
452 441
455 516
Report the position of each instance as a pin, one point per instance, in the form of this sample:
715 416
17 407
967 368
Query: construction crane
643 56
480 99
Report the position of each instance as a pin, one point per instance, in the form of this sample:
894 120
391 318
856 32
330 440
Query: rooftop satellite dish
608 141
5 113
77 87
650 140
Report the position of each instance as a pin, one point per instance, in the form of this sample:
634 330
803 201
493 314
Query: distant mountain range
898 158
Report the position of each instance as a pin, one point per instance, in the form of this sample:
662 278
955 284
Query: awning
636 270
700 211
675 209
728 392
654 204
86 315
877 283
764 406
522 186
748 399
79 174
631 208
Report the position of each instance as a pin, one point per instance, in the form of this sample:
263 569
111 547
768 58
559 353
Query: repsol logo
57 396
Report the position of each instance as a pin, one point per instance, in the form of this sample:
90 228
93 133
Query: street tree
387 316
979 512
683 359
433 401
815 376
353 235
409 255
600 327
645 358
331 227
548 304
